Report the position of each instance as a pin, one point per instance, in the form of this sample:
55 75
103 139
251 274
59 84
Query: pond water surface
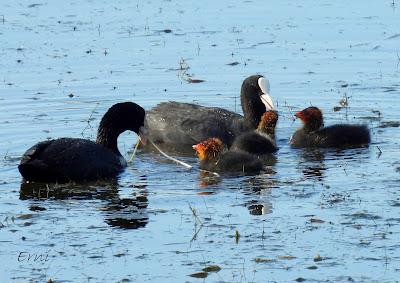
313 216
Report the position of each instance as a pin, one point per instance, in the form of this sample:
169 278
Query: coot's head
209 149
124 116
255 98
311 118
268 122
119 118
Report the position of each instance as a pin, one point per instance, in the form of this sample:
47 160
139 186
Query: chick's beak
299 115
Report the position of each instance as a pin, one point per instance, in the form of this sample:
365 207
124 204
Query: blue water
321 216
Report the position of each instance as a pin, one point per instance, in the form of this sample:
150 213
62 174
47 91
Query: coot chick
73 159
314 134
214 157
187 124
262 140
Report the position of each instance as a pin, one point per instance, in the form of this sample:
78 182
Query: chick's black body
314 134
255 143
262 140
238 161
335 136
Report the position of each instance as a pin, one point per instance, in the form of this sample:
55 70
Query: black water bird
183 124
74 159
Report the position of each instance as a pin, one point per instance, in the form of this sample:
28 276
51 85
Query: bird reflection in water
312 164
256 188
125 213
259 190
208 179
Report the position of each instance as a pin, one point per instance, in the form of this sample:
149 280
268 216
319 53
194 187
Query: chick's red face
309 114
209 149
200 150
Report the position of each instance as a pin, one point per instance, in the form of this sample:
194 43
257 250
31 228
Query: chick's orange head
209 149
268 120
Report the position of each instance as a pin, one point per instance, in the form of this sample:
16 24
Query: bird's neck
108 138
312 126
270 131
267 132
253 109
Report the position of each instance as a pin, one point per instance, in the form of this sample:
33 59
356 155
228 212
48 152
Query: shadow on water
125 213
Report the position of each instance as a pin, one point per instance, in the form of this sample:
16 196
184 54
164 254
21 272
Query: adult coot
215 158
262 140
188 124
73 159
314 134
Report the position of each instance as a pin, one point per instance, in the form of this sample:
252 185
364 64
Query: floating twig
170 157
134 152
380 151
89 119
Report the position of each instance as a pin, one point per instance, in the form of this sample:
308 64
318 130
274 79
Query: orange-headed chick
314 134
262 140
214 157
268 123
